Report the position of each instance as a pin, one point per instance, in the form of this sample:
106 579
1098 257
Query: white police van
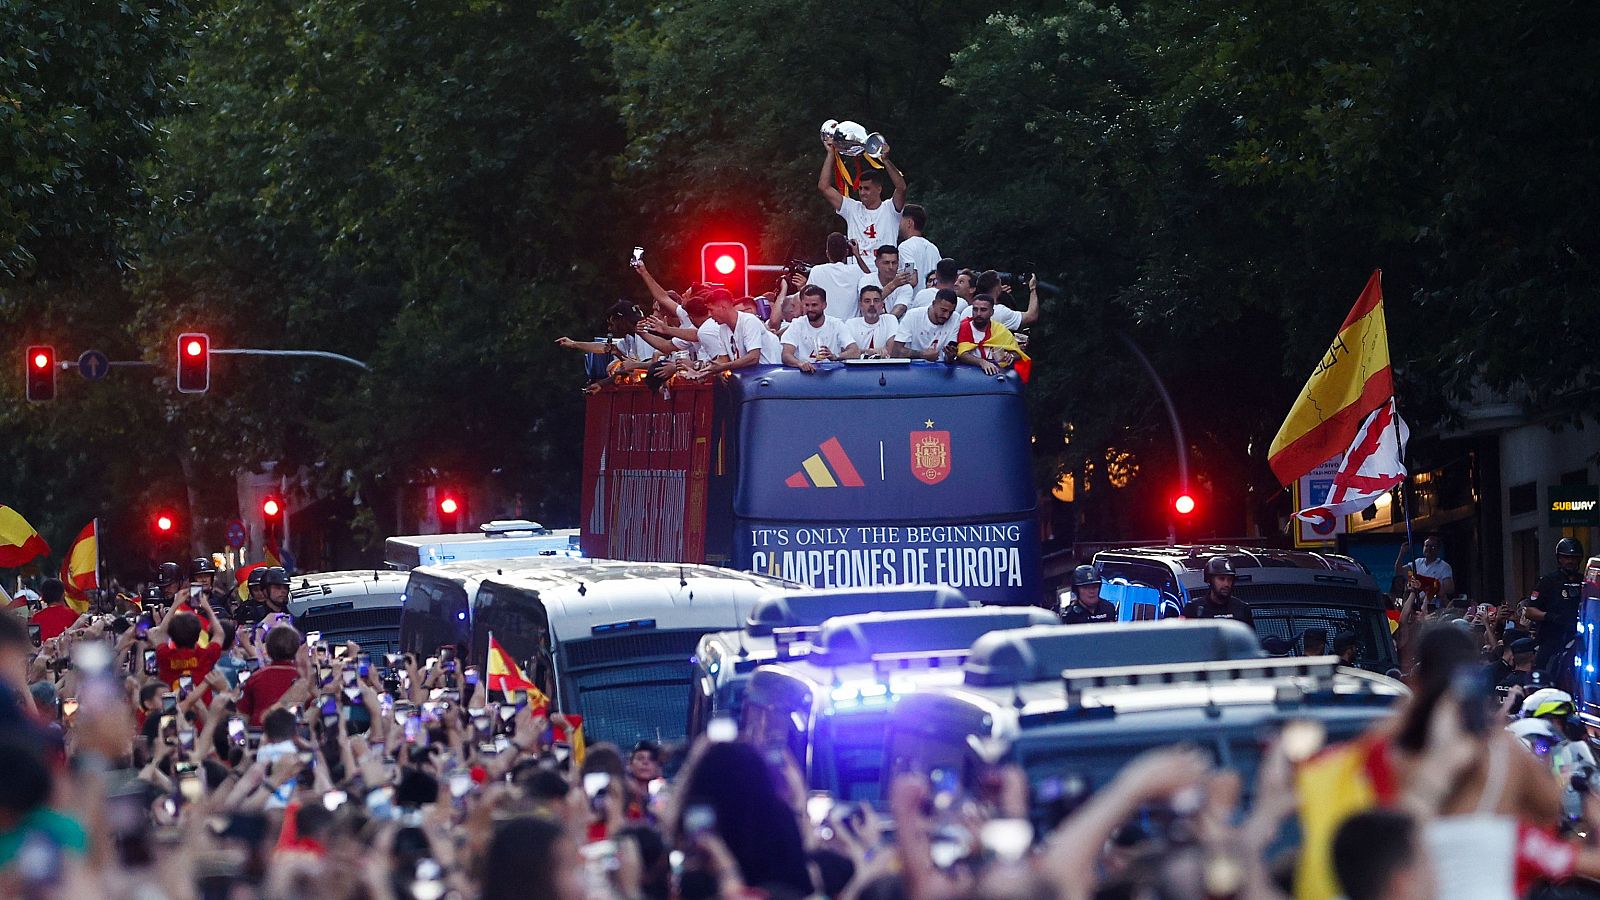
500 539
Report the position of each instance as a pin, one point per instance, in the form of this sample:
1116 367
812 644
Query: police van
1073 732
1288 591
361 606
1586 659
826 698
436 608
611 641
500 539
725 660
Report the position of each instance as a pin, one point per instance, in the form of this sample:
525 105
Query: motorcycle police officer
1219 602
1556 601
274 599
1086 605
203 574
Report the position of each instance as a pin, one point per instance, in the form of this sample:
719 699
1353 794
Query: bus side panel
645 470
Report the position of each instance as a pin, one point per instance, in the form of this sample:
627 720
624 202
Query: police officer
256 589
203 574
274 595
1086 605
1555 602
169 577
1523 674
1220 603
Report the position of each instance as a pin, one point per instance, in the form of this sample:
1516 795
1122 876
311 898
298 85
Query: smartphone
189 786
393 660
1470 685
69 707
637 259
698 820
350 678
483 728
946 785
471 675
363 664
328 705
169 702
722 729
313 638
33 633
186 740
151 665
141 627
818 805
595 784
244 675
236 731
415 733
185 684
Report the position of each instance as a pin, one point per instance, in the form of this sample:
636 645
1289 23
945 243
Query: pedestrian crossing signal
194 362
40 364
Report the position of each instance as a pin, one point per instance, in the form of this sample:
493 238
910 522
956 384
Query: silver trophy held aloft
850 139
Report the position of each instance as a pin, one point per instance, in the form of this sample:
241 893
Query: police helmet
1547 702
1083 576
257 577
169 573
276 575
1569 547
152 596
1219 565
202 565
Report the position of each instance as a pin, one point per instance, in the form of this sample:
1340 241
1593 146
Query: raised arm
825 179
657 292
899 180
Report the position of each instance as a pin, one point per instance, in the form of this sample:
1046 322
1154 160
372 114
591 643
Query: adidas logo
826 469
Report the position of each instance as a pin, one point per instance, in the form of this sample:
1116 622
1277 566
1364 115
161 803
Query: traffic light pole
1172 417
322 354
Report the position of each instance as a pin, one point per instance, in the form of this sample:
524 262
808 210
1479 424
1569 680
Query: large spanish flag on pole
19 543
80 569
1352 379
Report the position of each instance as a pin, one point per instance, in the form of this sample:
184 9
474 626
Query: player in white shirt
989 283
873 330
840 276
744 337
874 219
815 335
945 275
888 274
622 339
916 251
927 333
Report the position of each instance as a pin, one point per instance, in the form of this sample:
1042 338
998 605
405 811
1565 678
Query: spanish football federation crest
930 455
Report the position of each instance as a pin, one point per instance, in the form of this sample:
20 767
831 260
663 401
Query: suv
724 660
826 698
1288 591
361 606
1073 733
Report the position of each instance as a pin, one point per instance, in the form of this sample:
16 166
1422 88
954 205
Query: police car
725 660
1072 732
1288 592
827 697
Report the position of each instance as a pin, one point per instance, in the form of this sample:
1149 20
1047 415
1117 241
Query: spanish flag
19 543
1352 379
506 676
997 338
80 570
241 575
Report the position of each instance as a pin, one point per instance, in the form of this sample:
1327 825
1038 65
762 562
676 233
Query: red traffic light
270 507
194 362
1183 504
164 523
40 368
726 263
448 506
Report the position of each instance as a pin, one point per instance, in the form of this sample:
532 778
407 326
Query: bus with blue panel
826 699
1586 656
725 660
855 476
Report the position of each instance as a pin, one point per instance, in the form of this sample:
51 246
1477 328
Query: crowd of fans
884 292
175 749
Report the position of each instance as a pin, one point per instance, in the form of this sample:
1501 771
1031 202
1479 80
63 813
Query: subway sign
1574 506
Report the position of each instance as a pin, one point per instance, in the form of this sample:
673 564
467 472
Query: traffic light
194 362
271 509
726 263
1183 504
271 522
40 364
449 513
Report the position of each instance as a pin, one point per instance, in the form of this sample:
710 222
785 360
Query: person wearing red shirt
56 616
178 650
272 681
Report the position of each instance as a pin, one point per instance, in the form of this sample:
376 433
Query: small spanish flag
80 569
19 542
505 675
242 576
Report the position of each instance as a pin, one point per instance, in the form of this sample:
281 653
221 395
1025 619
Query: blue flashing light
1577 662
631 625
461 616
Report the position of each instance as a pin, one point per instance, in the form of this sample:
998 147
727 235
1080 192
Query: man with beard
816 335
1219 602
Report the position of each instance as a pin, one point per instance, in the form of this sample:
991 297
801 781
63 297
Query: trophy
850 139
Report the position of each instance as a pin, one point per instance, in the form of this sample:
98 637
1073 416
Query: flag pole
1405 495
